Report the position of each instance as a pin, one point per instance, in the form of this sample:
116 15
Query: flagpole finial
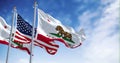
14 8
35 4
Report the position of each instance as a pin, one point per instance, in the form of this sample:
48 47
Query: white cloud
85 18
66 19
44 61
85 1
77 0
23 60
106 2
102 36
1 61
86 21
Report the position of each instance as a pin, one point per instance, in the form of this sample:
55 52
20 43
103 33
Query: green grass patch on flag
57 35
68 40
20 45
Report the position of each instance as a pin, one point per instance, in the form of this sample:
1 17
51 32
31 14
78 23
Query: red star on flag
48 20
5 27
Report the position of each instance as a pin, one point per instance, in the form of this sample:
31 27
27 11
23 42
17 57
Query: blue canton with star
23 26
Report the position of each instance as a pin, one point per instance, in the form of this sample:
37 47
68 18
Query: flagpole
12 25
34 20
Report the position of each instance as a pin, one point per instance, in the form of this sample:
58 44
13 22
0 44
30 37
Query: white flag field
51 27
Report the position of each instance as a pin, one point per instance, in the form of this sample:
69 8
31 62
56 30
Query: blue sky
99 18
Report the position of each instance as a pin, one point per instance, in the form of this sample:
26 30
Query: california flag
51 27
4 37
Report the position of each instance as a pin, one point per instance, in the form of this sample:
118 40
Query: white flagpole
12 25
35 7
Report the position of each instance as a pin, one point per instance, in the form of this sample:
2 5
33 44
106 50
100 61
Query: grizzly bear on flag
63 33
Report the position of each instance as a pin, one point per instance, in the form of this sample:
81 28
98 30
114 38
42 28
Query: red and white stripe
46 43
21 38
24 48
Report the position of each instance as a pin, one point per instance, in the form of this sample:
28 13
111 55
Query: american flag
23 32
